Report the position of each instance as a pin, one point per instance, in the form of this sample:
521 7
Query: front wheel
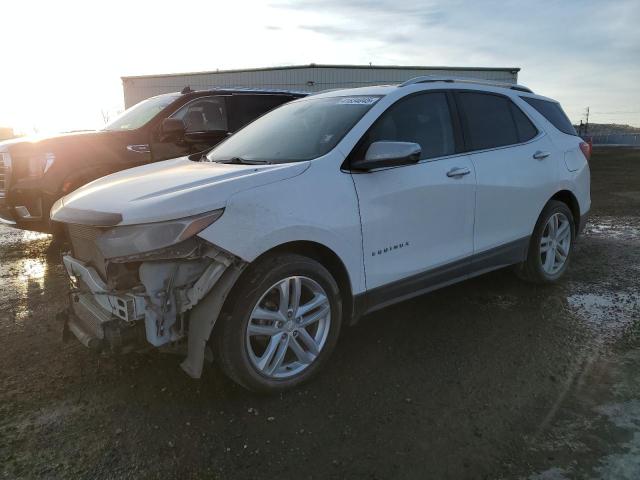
280 324
551 245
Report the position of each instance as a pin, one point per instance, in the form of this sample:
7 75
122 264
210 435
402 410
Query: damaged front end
129 289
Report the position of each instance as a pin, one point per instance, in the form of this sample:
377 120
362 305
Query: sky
61 61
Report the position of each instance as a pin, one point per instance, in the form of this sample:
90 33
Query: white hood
168 190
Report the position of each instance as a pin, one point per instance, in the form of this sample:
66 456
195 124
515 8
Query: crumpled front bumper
175 299
99 319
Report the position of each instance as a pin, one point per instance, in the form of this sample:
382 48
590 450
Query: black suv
35 173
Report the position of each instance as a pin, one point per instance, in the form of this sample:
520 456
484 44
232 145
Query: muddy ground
491 378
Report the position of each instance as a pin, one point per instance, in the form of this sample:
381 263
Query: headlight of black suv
38 164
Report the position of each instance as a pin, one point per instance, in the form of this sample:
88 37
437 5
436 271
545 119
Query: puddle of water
612 436
605 307
25 273
622 465
609 314
625 415
551 474
12 236
30 281
32 269
614 227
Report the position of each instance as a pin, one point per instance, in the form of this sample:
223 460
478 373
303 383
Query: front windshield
297 131
140 113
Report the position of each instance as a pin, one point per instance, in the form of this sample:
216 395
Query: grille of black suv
84 246
4 173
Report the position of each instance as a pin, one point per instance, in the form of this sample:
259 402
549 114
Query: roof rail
478 81
326 90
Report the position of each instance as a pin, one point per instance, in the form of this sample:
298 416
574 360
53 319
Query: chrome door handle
142 148
458 172
539 155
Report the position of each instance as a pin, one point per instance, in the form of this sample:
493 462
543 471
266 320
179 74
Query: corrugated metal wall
308 78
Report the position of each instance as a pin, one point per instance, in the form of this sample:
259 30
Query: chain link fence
626 139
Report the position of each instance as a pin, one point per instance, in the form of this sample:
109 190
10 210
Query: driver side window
423 119
204 115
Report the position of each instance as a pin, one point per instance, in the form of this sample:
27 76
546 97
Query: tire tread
529 270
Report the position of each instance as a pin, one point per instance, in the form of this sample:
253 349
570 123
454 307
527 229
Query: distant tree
106 116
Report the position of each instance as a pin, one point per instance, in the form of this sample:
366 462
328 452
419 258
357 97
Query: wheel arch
80 177
327 258
568 198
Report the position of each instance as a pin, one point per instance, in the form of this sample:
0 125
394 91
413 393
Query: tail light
586 149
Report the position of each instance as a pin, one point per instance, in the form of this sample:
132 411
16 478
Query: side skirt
445 275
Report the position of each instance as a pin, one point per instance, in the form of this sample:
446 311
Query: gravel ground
491 378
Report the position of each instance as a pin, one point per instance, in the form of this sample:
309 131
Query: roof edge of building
315 65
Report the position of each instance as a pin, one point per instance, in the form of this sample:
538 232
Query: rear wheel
280 324
551 245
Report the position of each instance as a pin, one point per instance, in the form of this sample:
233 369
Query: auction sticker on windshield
358 100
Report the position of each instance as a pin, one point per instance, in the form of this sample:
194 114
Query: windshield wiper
242 161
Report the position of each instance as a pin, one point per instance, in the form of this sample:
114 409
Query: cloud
583 54
356 11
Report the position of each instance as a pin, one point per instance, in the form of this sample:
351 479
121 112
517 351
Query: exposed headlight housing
39 163
136 239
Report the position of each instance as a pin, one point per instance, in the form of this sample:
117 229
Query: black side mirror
172 129
388 154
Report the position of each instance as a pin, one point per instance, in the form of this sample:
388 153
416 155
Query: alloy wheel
555 243
288 327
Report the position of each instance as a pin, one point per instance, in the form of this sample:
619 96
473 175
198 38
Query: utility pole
586 127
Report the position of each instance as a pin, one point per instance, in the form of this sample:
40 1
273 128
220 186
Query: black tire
229 336
532 269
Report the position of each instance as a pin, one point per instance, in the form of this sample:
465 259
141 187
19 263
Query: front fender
318 206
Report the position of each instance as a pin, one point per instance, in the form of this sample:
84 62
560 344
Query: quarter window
423 119
553 112
526 129
488 120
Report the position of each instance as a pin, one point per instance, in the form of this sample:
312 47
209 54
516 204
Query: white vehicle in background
323 210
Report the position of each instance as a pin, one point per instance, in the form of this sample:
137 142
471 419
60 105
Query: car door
206 124
417 219
516 170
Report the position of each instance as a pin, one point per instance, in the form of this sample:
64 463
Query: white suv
321 211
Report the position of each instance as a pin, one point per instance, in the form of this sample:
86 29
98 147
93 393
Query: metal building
308 78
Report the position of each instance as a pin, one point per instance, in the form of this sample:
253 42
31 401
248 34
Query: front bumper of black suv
6 212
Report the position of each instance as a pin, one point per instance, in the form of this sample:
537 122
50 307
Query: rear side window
553 112
488 121
526 129
246 108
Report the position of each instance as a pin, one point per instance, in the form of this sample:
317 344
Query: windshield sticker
358 100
